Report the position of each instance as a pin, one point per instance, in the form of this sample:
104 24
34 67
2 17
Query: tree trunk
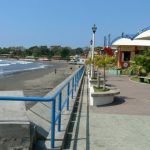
92 71
104 78
98 79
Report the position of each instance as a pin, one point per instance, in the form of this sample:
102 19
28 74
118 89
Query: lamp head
94 28
91 42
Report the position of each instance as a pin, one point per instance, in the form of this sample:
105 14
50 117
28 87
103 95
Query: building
130 45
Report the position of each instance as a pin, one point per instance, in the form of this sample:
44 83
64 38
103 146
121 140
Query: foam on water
4 65
18 70
23 62
12 66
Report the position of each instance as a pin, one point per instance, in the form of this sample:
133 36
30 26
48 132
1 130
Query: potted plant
103 61
102 95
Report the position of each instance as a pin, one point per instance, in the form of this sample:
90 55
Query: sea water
8 67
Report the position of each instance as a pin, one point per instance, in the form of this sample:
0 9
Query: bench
142 79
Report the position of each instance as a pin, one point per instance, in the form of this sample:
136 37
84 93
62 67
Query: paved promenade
122 125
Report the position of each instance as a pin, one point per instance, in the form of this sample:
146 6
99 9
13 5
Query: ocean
8 67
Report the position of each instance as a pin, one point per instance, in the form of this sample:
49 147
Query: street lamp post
94 28
91 44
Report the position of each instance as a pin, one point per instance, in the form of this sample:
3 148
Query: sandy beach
38 82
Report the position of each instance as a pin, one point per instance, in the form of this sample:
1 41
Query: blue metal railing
71 93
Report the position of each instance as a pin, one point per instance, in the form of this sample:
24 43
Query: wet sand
38 82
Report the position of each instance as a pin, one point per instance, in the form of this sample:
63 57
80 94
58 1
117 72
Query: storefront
127 49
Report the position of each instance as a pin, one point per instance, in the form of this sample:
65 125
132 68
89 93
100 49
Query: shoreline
38 82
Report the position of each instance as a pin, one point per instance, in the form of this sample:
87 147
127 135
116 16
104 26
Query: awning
130 42
144 35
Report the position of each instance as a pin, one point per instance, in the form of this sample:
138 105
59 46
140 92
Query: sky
69 22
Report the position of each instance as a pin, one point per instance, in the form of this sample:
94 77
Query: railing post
79 74
75 78
72 87
68 93
59 110
53 125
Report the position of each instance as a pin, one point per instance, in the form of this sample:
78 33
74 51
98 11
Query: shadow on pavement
117 101
73 130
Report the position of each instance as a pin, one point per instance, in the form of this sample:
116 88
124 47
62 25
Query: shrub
142 72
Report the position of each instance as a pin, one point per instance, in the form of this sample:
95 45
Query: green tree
103 61
56 50
44 51
141 63
65 53
29 51
79 51
5 50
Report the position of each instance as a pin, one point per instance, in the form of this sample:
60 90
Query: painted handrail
56 116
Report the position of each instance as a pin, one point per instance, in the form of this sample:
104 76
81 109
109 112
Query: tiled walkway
122 125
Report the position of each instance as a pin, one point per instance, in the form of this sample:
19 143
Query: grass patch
100 89
138 80
93 78
135 79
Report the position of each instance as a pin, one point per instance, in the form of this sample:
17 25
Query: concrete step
14 123
40 116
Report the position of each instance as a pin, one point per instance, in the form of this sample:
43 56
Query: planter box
102 98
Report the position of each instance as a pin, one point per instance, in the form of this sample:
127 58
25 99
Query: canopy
130 42
144 35
142 38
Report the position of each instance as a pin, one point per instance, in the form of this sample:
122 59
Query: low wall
114 72
14 123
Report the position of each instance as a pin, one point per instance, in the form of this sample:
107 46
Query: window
127 56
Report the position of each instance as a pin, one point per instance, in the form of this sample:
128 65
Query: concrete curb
138 82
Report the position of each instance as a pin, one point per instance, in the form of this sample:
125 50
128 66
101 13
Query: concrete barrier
14 123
